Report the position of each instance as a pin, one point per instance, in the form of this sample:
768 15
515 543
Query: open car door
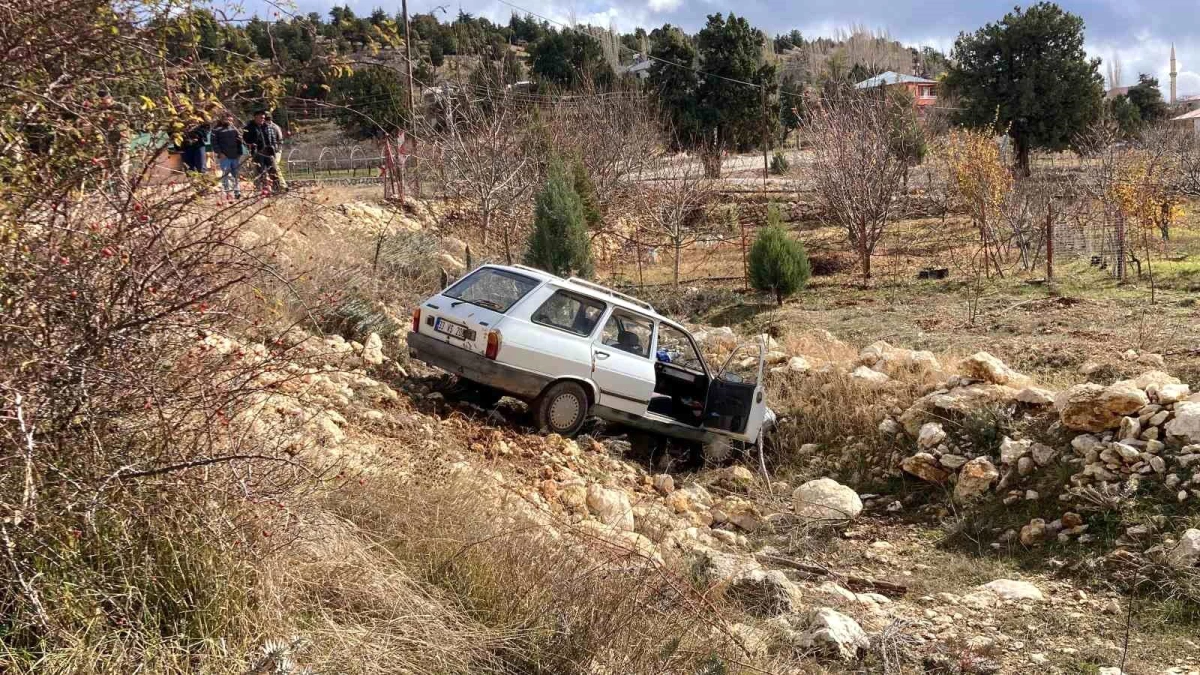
737 400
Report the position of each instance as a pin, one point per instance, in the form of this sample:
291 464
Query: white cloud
664 5
1188 83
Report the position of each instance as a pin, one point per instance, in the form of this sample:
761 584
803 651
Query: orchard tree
858 176
1028 76
484 161
979 182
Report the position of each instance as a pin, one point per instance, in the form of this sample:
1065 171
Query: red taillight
416 327
493 344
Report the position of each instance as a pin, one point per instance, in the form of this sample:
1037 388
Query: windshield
495 289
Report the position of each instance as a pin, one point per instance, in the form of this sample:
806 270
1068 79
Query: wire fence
333 163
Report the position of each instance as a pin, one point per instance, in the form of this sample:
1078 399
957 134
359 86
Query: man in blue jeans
263 140
227 141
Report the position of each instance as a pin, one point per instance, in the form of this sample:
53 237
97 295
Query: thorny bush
129 513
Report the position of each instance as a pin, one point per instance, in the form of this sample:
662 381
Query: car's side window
628 332
675 347
742 365
570 312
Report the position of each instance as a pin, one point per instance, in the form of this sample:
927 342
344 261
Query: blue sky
1137 32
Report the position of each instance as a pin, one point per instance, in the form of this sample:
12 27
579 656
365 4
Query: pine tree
559 242
778 263
586 190
1029 76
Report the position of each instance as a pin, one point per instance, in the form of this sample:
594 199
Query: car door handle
602 355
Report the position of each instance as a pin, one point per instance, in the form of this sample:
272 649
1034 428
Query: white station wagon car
571 348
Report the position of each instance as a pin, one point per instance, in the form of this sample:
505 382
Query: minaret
1174 72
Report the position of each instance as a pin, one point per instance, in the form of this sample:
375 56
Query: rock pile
1141 429
1148 428
879 362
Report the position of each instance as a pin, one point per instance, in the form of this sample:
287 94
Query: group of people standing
261 139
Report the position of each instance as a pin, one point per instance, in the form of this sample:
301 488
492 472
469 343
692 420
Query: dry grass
359 611
841 414
541 596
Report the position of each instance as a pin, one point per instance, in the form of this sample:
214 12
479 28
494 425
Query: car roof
592 290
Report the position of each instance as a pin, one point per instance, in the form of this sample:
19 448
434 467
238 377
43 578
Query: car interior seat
628 341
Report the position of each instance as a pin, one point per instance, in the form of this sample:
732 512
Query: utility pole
412 106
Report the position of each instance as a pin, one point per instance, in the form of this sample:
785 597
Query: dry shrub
128 507
553 599
129 514
829 264
838 412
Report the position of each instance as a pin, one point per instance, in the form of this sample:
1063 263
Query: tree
569 59
714 111
859 72
778 264
729 113
559 242
1028 76
582 183
674 212
791 105
675 87
979 183
1148 99
1125 114
436 56
1144 198
858 177
372 102
484 161
906 139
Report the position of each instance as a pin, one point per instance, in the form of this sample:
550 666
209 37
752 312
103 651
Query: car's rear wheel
561 409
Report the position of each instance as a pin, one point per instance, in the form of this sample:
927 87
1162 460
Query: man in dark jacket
227 142
263 142
195 146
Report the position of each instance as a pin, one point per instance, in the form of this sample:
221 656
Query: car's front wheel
561 409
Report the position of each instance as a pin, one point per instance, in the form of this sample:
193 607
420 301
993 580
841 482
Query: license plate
451 329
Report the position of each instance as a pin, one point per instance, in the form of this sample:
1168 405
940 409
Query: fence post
403 169
745 267
387 168
637 246
1050 241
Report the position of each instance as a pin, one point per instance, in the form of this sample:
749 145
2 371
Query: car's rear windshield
498 290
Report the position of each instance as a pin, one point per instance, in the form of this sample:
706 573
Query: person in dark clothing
195 148
262 139
278 152
227 142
